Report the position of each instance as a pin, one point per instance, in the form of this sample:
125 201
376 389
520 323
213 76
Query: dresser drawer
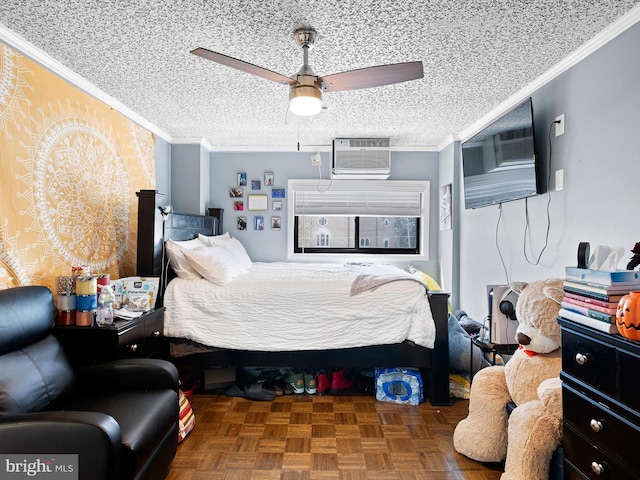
586 458
570 472
154 342
602 427
130 342
628 364
589 361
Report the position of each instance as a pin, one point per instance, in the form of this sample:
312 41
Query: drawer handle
133 347
598 468
155 334
581 358
596 425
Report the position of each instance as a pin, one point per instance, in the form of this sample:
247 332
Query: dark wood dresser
601 404
137 338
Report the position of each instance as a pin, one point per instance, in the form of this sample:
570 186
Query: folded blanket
376 275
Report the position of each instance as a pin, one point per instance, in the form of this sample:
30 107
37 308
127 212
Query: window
367 217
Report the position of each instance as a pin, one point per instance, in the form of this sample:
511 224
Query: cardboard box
218 378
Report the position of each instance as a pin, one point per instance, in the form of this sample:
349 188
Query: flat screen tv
499 162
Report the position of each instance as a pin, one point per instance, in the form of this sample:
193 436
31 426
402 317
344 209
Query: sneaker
323 382
339 383
296 381
310 384
286 387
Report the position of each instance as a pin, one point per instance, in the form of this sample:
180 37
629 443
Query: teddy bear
527 437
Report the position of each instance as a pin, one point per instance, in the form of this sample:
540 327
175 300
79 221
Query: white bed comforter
296 306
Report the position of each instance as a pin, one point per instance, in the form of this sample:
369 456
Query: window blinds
381 199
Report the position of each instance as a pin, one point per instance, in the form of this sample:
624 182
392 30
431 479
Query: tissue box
399 385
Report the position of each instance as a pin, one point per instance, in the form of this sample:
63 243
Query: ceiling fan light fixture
305 100
306 88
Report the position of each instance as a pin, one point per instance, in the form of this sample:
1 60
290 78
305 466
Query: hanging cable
526 206
504 267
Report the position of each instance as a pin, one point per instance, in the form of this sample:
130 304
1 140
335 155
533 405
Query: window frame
357 253
359 249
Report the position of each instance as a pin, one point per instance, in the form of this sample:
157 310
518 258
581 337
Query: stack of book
591 296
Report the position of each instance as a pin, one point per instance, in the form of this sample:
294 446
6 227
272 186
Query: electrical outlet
316 159
560 125
559 180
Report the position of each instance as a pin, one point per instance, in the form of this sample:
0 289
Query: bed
302 344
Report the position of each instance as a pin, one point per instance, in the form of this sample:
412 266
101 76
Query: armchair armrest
129 374
94 437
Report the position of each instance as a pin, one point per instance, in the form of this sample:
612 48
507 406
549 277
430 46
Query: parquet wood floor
311 437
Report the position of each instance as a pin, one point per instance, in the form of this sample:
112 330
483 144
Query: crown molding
21 45
448 141
612 31
26 48
192 141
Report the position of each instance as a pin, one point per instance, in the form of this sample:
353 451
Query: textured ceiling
476 55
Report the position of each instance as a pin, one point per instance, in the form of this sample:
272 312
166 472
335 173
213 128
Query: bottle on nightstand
104 317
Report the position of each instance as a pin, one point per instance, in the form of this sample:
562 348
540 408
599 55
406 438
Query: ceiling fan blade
372 77
240 65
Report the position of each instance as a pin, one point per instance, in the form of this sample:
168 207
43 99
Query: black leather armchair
120 418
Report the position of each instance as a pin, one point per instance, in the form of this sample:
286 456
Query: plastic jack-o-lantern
628 316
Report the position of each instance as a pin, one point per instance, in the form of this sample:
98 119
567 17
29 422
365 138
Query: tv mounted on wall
499 162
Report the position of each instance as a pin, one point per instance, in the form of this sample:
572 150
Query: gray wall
449 240
205 180
162 155
600 97
271 246
189 176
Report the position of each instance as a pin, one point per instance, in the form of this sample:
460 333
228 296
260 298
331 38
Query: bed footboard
438 373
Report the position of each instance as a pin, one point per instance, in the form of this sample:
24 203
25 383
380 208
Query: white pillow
237 251
206 239
177 260
213 263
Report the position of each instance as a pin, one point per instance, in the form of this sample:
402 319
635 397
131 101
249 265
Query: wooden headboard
154 229
185 226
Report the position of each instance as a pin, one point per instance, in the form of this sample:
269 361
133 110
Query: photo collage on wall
257 199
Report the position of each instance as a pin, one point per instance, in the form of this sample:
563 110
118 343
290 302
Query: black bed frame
154 229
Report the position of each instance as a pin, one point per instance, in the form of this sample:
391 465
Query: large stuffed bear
530 379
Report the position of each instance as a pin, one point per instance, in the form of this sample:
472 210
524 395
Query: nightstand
136 338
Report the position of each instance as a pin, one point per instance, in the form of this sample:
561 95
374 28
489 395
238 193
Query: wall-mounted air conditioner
361 158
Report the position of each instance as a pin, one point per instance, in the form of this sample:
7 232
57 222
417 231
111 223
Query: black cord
504 267
526 207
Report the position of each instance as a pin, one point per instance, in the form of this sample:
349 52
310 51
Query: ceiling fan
306 88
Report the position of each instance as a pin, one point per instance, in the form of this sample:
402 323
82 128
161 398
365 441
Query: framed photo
241 223
255 184
277 193
276 223
277 205
258 223
238 205
236 192
242 179
268 179
257 202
